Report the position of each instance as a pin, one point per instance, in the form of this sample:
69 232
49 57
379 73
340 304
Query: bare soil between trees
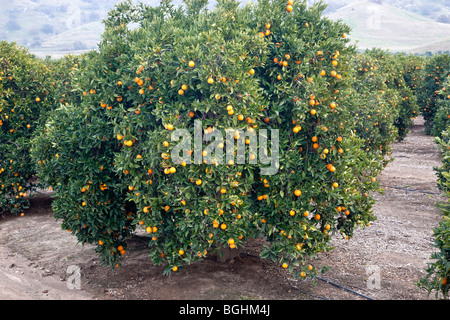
381 262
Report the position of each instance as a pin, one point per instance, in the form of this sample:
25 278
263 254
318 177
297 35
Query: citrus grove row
97 129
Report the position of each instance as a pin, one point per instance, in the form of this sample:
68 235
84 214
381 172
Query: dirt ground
381 262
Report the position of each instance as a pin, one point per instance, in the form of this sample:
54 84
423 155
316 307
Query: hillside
389 27
76 26
63 26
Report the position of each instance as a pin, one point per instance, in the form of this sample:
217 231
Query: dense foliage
147 131
25 96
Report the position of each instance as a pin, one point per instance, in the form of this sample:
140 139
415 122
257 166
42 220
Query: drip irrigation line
322 279
341 287
411 190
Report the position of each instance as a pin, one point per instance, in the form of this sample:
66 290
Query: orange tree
25 97
438 271
62 73
374 105
442 117
405 72
129 153
440 129
435 71
412 66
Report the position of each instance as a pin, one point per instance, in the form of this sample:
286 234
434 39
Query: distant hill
58 27
389 27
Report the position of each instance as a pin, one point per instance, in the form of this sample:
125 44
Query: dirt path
400 242
35 253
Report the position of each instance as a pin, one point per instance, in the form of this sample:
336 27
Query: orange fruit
289 8
313 111
191 64
298 193
284 265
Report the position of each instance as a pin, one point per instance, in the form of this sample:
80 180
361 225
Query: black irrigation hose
322 279
341 287
405 189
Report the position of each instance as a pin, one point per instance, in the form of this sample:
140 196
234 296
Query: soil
383 261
